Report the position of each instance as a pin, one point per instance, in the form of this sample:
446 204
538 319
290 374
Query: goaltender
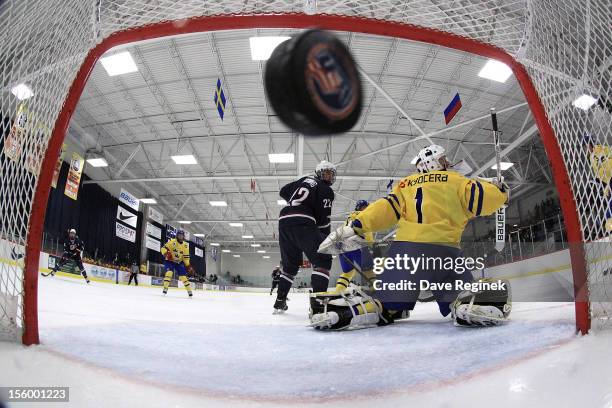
431 209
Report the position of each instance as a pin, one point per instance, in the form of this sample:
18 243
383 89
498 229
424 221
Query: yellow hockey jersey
180 252
601 162
369 236
432 207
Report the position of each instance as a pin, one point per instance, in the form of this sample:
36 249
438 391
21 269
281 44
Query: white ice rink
118 346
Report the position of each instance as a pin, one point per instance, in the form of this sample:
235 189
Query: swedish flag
220 99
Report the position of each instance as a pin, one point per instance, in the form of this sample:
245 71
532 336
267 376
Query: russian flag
452 108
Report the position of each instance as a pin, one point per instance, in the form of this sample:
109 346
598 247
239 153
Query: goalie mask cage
557 49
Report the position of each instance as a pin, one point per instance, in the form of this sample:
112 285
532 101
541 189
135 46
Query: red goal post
366 23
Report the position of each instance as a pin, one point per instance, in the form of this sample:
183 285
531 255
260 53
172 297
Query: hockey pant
435 262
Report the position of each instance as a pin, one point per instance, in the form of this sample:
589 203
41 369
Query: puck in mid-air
313 84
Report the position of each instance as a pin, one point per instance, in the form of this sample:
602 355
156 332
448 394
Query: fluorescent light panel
266 256
148 201
199 235
262 47
184 159
218 203
236 256
503 165
584 102
261 251
255 245
226 251
281 157
495 71
214 244
22 91
247 237
184 222
97 162
235 224
119 64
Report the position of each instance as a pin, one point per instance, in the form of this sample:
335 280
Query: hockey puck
313 84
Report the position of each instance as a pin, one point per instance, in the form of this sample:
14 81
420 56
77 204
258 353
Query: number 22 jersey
309 202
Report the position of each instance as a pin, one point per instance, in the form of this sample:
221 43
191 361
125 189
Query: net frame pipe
297 21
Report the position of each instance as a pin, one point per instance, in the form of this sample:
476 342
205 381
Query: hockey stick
500 214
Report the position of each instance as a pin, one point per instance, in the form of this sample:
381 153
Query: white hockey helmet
72 231
428 159
326 166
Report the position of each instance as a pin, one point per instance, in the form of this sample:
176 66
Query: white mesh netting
564 45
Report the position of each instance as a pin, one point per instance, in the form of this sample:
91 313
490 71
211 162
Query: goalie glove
341 240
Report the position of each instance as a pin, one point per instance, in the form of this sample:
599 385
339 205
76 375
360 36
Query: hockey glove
190 270
341 240
168 255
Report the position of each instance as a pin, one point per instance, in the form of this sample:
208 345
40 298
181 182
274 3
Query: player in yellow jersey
431 209
354 256
176 254
600 159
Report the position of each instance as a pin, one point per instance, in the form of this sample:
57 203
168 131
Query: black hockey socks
319 279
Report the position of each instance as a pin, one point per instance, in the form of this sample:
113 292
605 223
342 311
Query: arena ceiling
138 120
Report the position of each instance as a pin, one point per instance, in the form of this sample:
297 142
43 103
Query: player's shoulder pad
311 181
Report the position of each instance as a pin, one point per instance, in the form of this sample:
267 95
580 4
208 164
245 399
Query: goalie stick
500 214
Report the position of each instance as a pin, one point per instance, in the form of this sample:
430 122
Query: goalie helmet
428 159
323 167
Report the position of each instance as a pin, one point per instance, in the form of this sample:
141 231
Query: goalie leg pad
483 308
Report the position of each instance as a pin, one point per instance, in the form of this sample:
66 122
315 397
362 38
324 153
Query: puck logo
332 87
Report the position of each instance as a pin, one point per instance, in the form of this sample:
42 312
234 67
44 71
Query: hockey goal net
558 50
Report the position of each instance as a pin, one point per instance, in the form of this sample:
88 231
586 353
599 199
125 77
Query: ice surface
125 346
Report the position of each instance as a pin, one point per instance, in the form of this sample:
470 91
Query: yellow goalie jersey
601 162
432 207
180 252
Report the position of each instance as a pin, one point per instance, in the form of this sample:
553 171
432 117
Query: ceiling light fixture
584 102
22 91
119 64
281 157
262 47
495 71
184 159
97 162
502 165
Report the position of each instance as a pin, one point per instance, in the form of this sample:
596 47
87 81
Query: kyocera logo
128 198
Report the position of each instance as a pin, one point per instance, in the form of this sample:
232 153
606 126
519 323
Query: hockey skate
165 291
280 306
